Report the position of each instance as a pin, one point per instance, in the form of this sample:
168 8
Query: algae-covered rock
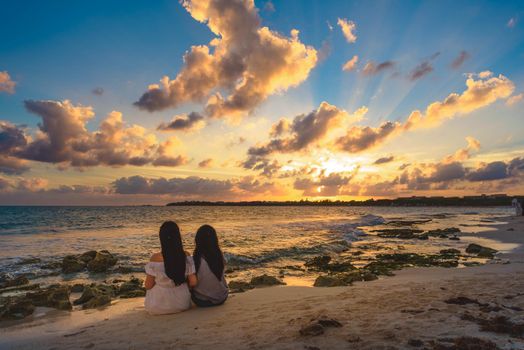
55 296
14 308
71 264
88 256
132 288
319 262
8 280
329 281
480 251
265 280
102 261
95 296
239 286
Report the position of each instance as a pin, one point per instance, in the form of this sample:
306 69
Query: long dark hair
173 252
207 247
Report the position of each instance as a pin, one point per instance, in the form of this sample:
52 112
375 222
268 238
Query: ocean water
255 240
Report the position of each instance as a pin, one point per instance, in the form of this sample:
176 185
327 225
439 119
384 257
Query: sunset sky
147 102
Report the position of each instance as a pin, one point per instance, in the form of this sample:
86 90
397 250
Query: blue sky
58 50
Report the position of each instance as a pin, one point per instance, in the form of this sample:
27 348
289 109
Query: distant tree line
466 201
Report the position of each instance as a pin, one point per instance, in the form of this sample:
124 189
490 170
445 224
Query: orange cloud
348 29
248 61
6 84
350 64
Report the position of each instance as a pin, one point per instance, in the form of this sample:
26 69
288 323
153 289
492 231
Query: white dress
166 297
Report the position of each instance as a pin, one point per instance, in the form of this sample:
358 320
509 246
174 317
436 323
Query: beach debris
481 251
317 326
464 343
55 296
8 280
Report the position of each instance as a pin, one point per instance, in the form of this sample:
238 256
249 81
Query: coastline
387 313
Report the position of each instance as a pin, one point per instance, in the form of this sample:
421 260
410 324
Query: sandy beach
404 311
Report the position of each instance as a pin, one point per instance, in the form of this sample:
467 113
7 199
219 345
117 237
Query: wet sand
390 313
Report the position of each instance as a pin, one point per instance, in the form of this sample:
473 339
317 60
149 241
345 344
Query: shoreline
386 313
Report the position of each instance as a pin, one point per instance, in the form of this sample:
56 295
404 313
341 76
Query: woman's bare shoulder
157 257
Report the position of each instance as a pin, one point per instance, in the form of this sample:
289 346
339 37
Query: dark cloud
98 91
360 138
269 6
420 71
491 171
206 163
460 59
192 187
384 160
63 139
183 122
371 68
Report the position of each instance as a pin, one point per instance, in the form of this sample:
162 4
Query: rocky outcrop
265 281
102 261
132 289
72 264
95 295
344 279
92 260
55 296
8 280
15 308
480 251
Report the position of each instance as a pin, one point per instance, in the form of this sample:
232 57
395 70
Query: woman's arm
192 280
150 282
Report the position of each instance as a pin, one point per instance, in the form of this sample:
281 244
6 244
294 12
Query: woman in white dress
170 274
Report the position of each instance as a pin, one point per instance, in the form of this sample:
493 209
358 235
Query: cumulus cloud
514 99
350 64
371 68
304 131
246 60
460 59
191 121
482 90
6 84
360 138
463 154
488 172
384 160
63 139
206 163
324 185
348 29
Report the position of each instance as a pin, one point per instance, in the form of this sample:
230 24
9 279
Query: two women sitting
174 278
